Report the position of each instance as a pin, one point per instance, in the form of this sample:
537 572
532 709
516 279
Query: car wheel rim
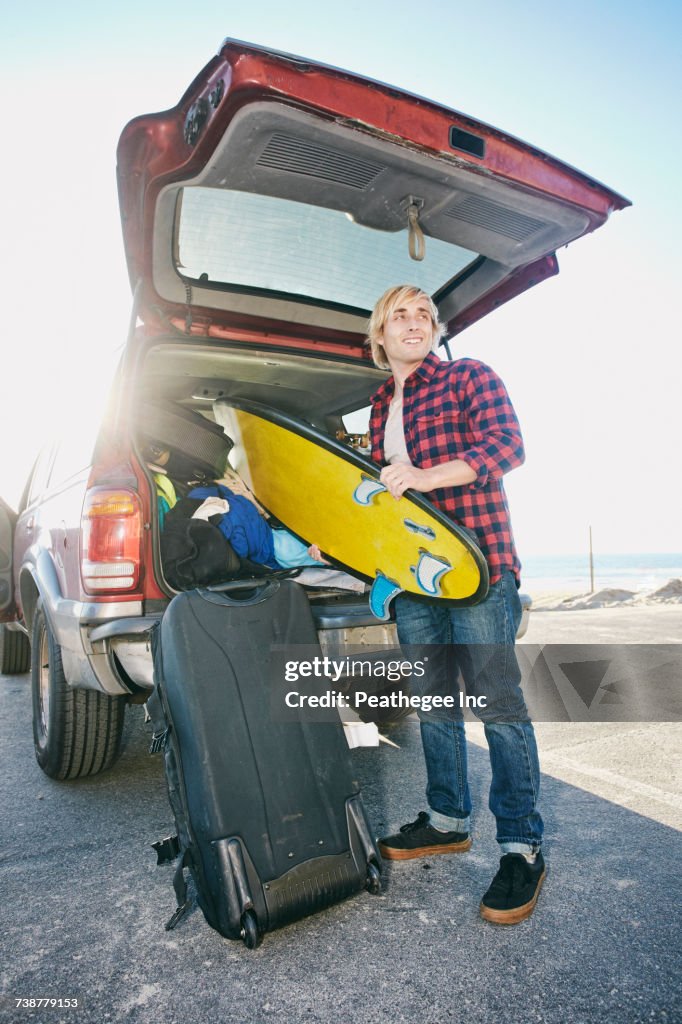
44 682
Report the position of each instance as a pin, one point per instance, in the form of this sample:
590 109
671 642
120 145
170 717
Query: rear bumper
126 643
115 656
121 648
89 657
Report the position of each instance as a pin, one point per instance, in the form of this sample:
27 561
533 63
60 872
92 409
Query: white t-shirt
395 449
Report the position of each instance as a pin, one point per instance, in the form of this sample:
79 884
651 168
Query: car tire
15 652
75 732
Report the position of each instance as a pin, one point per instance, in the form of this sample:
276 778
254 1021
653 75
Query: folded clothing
211 507
243 526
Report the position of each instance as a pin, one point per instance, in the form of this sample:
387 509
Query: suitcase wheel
251 936
373 883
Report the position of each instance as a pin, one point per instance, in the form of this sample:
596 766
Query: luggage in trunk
198 448
270 820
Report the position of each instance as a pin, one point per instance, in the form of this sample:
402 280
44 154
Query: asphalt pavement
84 904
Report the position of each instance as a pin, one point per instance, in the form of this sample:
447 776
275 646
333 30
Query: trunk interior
183 425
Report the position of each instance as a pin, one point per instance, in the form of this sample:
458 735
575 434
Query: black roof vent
502 220
298 156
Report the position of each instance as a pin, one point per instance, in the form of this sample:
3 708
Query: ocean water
571 573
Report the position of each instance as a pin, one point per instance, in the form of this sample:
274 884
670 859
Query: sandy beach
669 593
641 623
608 615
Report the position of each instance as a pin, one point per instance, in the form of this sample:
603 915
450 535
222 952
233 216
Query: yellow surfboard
330 495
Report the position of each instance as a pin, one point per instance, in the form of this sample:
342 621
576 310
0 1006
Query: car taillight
111 526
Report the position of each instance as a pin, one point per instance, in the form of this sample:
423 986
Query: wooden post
591 565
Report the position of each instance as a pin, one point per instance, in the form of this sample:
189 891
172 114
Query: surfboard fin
367 490
429 571
380 596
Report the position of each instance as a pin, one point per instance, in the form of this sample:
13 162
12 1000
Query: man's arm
399 476
497 449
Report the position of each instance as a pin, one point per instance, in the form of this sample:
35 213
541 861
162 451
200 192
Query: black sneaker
421 839
514 890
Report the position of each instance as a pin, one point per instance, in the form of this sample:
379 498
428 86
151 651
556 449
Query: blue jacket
244 526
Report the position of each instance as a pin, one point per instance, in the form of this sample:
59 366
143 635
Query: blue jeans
478 644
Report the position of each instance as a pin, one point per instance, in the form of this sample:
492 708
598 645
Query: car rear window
278 245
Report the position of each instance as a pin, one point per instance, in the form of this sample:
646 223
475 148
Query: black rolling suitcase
270 821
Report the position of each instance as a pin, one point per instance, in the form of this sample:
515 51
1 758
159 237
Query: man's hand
315 553
400 476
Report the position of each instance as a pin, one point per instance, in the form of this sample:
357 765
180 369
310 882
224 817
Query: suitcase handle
253 581
257 591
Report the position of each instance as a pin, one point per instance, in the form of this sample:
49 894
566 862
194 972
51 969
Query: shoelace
511 872
412 826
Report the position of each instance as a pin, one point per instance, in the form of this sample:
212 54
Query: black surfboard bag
269 818
198 447
195 553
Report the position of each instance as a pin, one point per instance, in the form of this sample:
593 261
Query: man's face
408 334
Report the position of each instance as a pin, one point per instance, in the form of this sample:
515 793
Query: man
448 429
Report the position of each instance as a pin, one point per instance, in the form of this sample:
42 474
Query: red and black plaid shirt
461 410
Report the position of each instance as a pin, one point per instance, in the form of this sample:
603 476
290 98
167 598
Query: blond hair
389 301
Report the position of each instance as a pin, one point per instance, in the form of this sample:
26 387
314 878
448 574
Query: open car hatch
283 196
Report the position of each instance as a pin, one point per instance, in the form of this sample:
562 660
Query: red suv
262 217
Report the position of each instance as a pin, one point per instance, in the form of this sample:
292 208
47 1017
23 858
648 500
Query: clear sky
592 359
